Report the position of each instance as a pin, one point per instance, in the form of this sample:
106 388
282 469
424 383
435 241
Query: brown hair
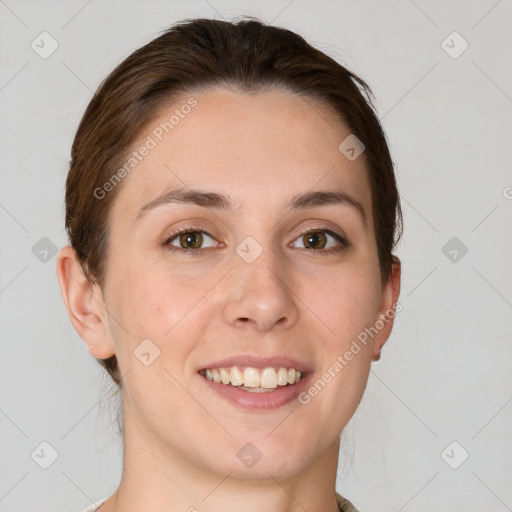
198 54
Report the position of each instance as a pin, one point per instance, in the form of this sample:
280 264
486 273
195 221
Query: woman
232 209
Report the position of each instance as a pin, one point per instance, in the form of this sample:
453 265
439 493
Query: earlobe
85 305
388 309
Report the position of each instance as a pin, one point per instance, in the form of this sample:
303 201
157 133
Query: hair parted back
190 56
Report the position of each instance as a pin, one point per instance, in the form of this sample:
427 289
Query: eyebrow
208 199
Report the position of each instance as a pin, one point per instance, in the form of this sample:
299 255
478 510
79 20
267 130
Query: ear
85 305
389 306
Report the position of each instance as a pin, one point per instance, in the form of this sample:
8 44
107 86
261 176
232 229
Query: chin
260 456
262 471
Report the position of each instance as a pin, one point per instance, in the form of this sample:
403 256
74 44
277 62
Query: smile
253 379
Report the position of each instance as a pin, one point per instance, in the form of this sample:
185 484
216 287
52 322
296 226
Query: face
261 260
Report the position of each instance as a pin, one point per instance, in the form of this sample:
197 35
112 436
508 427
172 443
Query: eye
189 240
320 239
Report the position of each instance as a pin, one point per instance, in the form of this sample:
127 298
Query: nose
260 296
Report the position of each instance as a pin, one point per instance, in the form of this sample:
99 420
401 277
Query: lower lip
265 400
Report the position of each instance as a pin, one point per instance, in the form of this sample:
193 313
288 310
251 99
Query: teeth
237 379
254 379
282 377
225 376
269 378
255 390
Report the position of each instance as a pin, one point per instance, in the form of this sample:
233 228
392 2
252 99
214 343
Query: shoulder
345 505
94 507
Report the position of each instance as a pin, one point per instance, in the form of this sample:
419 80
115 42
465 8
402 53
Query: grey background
445 373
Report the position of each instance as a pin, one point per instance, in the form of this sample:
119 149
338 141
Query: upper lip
258 362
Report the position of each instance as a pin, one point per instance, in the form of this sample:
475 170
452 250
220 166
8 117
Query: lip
258 362
281 396
259 401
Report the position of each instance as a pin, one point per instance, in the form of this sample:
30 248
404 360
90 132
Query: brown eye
191 240
324 241
316 240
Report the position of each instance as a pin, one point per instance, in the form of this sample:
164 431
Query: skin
181 438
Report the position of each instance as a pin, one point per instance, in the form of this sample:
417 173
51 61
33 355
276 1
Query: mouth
254 380
257 383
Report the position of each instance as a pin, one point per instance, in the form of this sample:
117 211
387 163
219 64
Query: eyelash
344 243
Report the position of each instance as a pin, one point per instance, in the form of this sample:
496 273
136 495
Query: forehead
270 145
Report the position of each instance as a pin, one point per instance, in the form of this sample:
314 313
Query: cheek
346 305
165 306
345 301
156 330
150 301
